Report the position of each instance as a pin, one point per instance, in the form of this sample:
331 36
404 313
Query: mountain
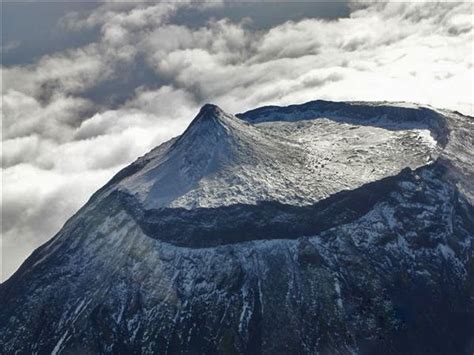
321 228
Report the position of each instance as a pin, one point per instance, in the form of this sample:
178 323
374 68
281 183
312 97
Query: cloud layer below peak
74 117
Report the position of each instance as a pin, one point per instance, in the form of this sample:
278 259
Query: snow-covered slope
223 160
322 228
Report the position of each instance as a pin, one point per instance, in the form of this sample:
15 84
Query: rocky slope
321 228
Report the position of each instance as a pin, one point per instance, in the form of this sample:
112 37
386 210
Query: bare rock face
323 228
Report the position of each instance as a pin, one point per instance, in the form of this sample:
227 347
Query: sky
88 87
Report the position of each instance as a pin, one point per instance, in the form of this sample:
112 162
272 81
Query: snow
104 257
79 307
337 287
59 344
222 160
446 251
245 314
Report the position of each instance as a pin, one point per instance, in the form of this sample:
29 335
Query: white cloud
46 177
168 106
68 73
36 203
401 44
24 115
59 146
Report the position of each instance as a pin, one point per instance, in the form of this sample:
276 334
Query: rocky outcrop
386 267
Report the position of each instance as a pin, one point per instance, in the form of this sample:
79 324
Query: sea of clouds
65 134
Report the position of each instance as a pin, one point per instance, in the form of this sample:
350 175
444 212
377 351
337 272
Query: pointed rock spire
209 112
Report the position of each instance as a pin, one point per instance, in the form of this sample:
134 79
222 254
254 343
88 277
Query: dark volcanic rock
383 268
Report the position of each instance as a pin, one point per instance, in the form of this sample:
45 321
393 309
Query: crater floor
222 160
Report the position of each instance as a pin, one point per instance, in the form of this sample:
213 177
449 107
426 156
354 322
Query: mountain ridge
379 264
213 161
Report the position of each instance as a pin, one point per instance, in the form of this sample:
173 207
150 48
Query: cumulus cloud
36 203
24 115
159 110
60 143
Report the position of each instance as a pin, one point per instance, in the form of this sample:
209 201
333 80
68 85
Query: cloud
24 115
5 48
68 73
50 168
165 105
36 203
62 140
232 64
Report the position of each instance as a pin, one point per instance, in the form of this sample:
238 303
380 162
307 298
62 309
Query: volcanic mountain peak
205 157
213 123
327 228
210 112
222 159
212 119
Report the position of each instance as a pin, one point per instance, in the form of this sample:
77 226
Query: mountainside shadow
208 227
